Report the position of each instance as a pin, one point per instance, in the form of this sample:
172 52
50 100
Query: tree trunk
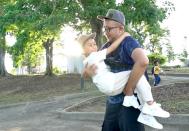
49 56
3 71
97 27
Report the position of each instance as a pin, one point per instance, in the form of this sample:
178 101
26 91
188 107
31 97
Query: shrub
56 70
157 57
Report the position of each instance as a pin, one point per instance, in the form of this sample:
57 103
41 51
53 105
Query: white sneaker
130 101
149 121
155 110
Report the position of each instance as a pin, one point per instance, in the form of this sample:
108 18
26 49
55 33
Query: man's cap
83 38
115 15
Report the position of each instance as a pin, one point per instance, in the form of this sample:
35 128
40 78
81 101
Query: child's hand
90 70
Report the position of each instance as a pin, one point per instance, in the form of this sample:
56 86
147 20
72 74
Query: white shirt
97 58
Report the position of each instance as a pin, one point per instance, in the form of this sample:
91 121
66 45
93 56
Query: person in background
157 70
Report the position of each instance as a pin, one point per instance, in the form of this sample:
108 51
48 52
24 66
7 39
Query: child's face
89 47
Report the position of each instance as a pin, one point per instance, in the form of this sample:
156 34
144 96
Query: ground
15 89
54 94
173 94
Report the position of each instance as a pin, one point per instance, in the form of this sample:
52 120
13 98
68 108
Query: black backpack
152 71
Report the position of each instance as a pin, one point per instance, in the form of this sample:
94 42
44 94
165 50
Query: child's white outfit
113 83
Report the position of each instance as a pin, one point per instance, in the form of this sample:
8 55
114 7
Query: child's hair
84 38
155 62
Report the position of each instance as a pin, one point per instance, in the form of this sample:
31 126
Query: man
128 56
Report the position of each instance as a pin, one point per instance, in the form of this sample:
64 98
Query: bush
157 57
56 70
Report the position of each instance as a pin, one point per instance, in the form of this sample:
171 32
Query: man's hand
89 71
128 91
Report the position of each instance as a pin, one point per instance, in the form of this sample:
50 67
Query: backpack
152 71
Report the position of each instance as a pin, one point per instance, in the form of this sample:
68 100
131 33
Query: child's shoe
149 121
155 110
130 101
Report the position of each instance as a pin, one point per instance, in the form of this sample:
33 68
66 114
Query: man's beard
111 40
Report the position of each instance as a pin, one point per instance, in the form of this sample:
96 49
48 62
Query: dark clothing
157 79
146 75
121 55
118 117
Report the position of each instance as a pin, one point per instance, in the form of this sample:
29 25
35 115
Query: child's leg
121 79
150 107
143 89
159 79
111 83
155 80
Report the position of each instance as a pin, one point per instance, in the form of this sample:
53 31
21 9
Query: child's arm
116 43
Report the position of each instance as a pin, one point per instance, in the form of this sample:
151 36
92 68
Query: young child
157 70
113 83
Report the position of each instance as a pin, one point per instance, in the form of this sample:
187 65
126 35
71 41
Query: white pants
113 84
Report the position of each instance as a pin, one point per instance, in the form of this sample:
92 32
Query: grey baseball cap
115 15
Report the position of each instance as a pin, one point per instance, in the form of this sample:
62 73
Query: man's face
112 30
89 47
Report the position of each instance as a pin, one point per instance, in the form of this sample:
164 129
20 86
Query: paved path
41 116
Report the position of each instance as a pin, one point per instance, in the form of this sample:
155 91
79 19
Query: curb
176 74
79 95
174 119
89 100
173 74
55 98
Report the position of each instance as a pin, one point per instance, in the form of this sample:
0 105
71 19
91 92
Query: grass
21 94
177 106
35 88
176 70
182 70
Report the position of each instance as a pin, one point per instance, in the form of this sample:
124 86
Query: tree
49 55
88 16
142 17
37 23
3 71
2 55
183 56
170 53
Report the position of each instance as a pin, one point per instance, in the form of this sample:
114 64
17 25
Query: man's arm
141 62
116 43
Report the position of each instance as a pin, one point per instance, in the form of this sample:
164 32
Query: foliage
35 22
143 18
156 57
57 71
3 70
183 56
156 40
170 53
